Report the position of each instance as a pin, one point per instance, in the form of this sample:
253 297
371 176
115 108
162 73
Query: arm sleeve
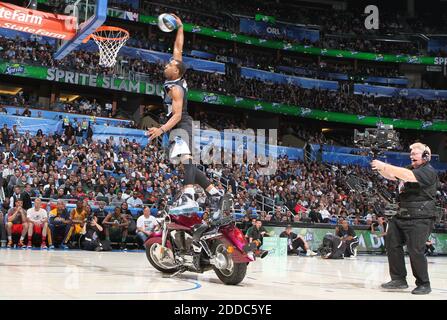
425 176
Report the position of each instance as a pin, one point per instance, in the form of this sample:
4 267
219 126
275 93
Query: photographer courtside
414 220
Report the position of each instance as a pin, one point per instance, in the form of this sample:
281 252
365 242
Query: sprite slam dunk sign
104 82
79 78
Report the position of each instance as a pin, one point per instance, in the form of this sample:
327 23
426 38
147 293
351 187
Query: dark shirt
414 191
69 131
100 212
89 132
345 233
5 136
315 216
290 236
255 233
91 232
245 225
26 197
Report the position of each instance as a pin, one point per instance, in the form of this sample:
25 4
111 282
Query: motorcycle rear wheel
234 273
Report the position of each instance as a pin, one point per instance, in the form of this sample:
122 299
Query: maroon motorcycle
221 247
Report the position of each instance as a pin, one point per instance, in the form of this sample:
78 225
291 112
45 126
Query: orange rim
108 28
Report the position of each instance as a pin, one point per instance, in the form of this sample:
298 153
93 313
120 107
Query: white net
109 41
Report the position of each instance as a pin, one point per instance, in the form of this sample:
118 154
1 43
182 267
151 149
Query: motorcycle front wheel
154 260
229 272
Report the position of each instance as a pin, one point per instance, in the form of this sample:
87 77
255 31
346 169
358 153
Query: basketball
167 22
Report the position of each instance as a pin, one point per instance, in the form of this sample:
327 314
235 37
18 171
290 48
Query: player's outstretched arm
178 44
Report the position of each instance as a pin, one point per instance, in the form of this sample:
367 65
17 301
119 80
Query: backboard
91 14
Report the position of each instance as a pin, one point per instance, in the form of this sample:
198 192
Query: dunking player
175 100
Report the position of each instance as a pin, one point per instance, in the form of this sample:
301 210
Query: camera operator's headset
426 154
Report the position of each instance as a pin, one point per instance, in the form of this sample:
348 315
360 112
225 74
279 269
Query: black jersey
186 121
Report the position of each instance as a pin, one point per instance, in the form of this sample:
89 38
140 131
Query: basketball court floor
35 274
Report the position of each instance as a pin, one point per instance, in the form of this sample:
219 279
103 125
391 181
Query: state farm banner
37 22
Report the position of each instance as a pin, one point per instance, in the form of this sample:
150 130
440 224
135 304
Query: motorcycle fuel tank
187 220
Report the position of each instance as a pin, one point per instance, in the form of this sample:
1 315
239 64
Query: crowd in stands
255 58
348 23
62 167
85 106
221 121
20 51
58 167
126 176
399 107
320 99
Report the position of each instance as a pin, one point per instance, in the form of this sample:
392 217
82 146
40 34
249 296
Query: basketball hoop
109 41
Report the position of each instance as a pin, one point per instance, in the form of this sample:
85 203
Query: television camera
377 140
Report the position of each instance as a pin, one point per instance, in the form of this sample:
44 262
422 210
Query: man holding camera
91 241
414 221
